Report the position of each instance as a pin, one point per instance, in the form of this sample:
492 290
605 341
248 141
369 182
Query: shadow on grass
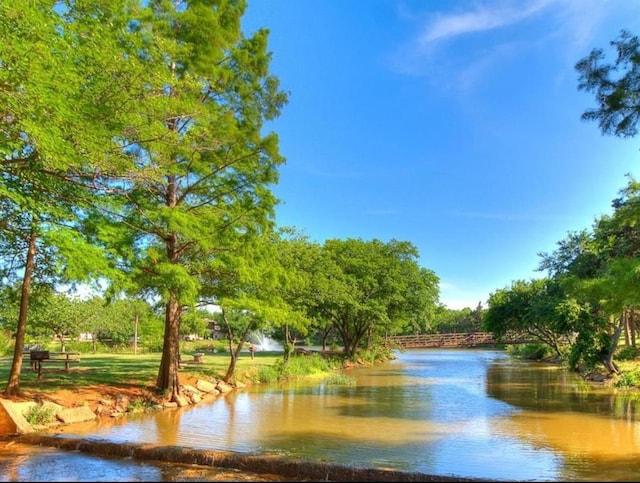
122 370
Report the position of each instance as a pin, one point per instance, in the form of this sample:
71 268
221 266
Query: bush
139 405
297 366
628 353
628 379
371 356
532 352
340 380
267 374
40 415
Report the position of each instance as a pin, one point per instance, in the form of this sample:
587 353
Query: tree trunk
135 335
62 344
168 381
325 336
627 328
13 385
235 353
606 357
288 346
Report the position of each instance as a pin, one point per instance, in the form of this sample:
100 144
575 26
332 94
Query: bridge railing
455 339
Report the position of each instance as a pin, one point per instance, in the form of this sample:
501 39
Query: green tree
302 272
616 86
255 292
586 305
533 307
375 289
195 322
58 315
447 320
209 165
57 134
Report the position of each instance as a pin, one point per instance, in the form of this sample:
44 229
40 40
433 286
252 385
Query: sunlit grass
141 370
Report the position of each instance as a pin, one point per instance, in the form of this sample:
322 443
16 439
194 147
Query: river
461 413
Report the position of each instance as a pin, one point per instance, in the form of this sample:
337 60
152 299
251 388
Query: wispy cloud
482 18
478 34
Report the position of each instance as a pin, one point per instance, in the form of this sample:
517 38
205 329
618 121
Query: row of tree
134 156
132 150
591 294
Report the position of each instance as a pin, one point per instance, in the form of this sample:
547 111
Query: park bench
39 358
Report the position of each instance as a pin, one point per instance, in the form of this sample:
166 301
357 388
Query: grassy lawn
127 369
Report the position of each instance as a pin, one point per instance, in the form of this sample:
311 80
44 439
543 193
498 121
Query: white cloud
571 25
482 18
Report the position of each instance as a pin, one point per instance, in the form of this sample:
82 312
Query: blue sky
454 125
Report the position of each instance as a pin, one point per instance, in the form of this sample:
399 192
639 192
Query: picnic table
39 358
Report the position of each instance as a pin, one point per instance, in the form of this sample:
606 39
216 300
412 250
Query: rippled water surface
467 413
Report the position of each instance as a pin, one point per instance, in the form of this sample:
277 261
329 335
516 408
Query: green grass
127 369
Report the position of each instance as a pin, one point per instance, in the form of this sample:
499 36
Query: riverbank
418 414
110 386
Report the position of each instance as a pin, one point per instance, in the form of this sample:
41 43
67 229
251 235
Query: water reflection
468 413
42 464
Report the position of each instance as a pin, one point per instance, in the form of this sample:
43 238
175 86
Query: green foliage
628 379
268 374
84 346
152 344
138 405
377 353
296 367
628 353
615 86
590 345
370 289
535 352
340 380
40 414
6 343
447 320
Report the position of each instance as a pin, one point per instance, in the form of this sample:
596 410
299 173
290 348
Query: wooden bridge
456 339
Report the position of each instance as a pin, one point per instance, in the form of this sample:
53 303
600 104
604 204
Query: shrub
138 405
628 353
371 356
340 380
628 379
296 367
40 415
533 352
267 374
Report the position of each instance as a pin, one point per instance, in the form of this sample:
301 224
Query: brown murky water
454 413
